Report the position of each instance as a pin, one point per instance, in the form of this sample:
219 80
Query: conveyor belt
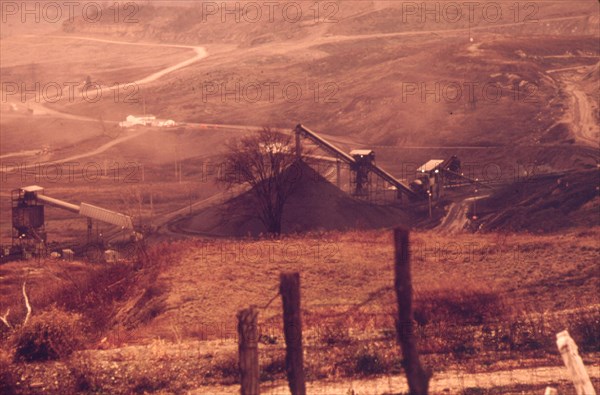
338 153
91 211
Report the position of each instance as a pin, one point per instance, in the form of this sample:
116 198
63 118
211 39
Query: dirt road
456 219
73 158
584 125
200 53
581 108
451 382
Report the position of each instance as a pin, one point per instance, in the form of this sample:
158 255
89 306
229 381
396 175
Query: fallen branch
26 305
4 319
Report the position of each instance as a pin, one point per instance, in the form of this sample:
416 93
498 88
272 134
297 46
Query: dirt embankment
316 204
543 204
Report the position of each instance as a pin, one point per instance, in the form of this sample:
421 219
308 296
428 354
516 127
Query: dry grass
7 373
470 307
348 276
50 335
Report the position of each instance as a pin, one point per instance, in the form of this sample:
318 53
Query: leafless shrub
52 334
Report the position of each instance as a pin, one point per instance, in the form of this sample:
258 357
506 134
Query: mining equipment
434 174
361 163
437 174
429 181
28 219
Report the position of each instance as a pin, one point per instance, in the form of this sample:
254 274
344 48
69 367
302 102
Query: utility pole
475 202
429 198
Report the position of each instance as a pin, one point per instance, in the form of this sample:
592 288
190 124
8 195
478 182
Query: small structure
433 174
68 254
111 256
364 159
28 217
133 120
164 123
427 177
29 234
146 120
430 165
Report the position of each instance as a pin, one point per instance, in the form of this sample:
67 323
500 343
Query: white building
146 120
133 120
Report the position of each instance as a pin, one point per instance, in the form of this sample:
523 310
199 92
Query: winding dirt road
99 150
40 109
200 53
585 127
581 107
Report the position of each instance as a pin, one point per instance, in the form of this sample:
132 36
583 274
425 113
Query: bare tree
266 162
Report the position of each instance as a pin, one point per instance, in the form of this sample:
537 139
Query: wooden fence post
248 351
417 377
289 288
570 355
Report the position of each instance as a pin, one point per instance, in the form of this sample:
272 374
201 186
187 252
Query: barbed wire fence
339 348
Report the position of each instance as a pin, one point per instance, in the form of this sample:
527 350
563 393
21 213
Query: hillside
359 73
543 204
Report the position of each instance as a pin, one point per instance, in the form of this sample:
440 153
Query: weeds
461 306
227 368
335 334
369 362
53 334
84 375
585 328
8 376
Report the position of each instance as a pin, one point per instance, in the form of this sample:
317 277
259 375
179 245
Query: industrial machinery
28 219
432 176
361 163
436 174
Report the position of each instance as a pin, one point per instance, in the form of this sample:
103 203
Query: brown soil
315 205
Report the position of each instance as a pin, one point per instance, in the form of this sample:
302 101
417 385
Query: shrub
145 384
227 368
528 333
53 334
585 329
86 378
335 334
368 362
458 306
274 368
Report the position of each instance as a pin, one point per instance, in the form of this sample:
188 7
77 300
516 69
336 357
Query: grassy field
483 303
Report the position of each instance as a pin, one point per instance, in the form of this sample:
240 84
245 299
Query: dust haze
162 163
